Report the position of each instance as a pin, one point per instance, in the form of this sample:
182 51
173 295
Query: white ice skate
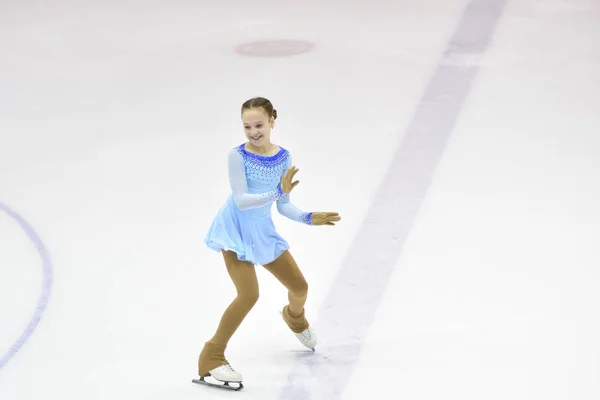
225 374
308 338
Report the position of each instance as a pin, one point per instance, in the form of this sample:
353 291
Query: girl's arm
288 209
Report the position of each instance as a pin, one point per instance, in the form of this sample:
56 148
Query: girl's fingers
288 173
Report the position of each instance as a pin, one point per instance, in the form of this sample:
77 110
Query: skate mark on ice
46 285
349 308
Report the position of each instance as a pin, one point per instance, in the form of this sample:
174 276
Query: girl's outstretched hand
325 218
286 180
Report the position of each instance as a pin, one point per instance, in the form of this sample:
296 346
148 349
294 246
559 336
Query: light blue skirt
251 234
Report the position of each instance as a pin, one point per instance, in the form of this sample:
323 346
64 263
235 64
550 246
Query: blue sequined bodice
263 173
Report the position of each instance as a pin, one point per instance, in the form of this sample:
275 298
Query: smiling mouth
256 138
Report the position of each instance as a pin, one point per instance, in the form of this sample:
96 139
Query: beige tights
243 276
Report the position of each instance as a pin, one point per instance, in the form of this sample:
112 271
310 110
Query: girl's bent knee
249 298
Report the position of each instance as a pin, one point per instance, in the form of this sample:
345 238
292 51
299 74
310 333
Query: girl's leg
288 273
243 276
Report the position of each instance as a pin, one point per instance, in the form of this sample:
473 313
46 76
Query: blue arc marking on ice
46 286
350 306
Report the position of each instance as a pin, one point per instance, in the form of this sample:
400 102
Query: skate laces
228 368
305 335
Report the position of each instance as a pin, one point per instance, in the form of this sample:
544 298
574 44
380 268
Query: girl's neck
268 149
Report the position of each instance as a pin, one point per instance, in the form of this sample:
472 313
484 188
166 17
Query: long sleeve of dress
288 209
239 186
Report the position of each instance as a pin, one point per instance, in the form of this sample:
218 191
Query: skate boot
299 325
214 370
226 373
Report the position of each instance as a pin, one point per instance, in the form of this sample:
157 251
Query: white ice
115 121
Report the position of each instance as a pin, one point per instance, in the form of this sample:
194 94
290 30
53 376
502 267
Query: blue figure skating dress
244 224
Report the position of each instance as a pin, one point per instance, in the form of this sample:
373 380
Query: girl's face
257 126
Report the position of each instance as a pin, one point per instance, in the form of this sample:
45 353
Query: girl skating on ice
260 174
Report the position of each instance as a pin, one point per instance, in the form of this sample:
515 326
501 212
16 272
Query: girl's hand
286 180
325 218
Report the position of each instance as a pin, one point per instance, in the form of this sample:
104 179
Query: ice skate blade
224 385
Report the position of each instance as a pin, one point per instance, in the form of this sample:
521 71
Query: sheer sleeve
288 209
239 185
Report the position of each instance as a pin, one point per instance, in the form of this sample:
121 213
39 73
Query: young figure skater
260 173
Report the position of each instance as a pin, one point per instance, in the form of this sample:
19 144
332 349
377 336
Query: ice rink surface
459 140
